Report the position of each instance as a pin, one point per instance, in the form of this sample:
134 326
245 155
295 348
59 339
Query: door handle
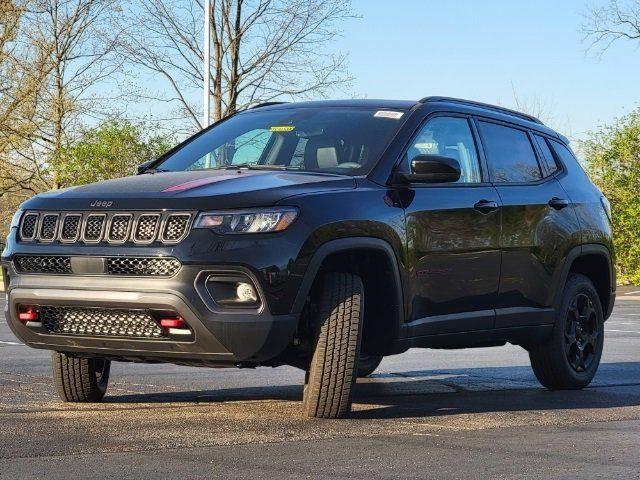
558 203
486 206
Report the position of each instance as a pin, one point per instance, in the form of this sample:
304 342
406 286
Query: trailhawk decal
204 181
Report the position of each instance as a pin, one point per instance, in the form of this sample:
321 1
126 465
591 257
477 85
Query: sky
484 50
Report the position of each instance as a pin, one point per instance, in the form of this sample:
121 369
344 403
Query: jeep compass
322 235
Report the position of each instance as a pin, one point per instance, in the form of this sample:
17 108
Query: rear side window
547 156
510 154
564 153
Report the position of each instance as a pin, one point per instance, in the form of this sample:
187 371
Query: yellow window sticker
282 128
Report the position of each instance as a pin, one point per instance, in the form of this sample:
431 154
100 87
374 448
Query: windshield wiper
257 166
155 170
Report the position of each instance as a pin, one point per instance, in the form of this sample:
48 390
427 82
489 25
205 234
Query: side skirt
524 336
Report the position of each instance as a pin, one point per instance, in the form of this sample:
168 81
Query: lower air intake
101 322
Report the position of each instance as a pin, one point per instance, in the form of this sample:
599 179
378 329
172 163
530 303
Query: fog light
233 290
246 293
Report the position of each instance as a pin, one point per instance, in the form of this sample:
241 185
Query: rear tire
80 379
333 369
367 364
570 358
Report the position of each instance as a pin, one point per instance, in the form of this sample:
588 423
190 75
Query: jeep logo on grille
101 204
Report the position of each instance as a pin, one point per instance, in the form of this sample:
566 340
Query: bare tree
24 69
533 105
262 50
52 54
80 58
611 22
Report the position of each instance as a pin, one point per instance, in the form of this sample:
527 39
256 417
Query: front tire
333 369
570 359
80 379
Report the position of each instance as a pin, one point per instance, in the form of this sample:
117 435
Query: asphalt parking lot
425 414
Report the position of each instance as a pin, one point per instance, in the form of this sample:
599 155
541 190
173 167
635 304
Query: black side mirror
432 169
144 166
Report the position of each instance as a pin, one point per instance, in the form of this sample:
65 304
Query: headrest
321 152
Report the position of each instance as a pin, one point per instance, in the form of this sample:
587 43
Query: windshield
332 140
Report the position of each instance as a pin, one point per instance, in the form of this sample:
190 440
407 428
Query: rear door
537 222
453 232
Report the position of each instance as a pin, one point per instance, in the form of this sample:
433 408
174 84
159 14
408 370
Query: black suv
322 235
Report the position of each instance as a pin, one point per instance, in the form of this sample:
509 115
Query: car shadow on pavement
440 392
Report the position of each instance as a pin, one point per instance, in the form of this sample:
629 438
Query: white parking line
11 344
621 331
632 293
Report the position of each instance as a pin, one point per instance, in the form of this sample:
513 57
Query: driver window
450 137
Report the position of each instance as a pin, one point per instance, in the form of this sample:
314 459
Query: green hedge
612 157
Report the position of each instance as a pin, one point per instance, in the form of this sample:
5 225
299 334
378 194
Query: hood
206 189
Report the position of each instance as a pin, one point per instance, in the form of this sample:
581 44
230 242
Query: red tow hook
175 325
29 315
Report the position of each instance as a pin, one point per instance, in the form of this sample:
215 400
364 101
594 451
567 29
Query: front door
453 234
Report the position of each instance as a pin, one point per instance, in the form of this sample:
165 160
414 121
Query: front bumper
221 338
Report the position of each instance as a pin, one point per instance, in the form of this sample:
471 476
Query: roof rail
265 104
487 106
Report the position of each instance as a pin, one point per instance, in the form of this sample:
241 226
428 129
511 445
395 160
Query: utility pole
207 63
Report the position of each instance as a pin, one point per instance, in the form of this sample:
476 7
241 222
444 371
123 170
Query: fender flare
342 245
575 253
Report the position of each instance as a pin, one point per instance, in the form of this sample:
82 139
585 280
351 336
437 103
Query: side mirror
432 169
144 166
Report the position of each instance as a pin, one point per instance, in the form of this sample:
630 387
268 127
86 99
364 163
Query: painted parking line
632 293
620 331
11 344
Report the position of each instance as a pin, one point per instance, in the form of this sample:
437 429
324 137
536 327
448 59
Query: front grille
175 227
42 264
70 228
143 228
28 229
105 322
143 267
116 266
119 228
146 228
48 227
93 228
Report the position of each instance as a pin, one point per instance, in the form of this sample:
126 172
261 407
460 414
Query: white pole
207 63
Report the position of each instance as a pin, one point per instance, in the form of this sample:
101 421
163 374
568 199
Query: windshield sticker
282 128
388 114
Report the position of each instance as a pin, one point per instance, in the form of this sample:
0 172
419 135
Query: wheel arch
372 259
595 262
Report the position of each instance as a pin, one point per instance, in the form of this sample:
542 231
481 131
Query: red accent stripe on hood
199 182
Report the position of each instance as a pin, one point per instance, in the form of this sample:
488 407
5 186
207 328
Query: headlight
15 221
255 220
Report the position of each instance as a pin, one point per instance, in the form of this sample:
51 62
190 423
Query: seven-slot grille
146 228
70 228
28 226
115 266
119 228
141 228
175 227
48 227
107 322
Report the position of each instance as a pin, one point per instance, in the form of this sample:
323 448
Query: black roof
372 103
